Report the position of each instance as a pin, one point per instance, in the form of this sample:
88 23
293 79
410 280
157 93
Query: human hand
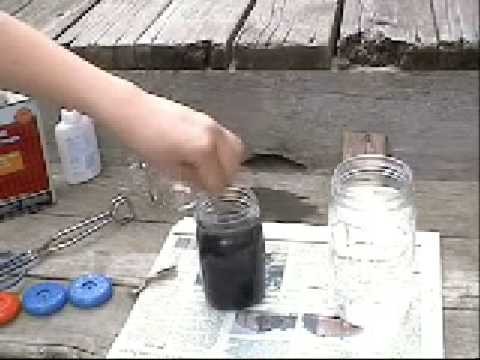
179 141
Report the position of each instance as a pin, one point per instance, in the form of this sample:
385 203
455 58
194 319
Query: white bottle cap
68 116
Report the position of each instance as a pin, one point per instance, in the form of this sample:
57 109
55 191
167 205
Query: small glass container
372 222
231 249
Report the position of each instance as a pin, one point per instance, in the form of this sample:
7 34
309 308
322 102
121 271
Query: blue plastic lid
90 291
45 299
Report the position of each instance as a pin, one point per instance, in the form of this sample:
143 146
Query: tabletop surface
431 118
449 207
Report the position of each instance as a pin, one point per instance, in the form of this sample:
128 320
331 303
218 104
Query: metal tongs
13 268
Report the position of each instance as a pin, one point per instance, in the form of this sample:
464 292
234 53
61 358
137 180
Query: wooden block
287 35
379 32
356 143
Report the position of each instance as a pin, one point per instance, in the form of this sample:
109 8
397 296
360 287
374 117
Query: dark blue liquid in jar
232 254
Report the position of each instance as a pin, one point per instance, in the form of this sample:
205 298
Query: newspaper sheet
171 318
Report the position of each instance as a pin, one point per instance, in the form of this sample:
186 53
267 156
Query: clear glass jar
231 249
372 222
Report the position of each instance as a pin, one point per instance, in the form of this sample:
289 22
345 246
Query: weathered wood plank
461 334
157 34
126 253
129 261
281 34
450 207
457 22
460 262
127 55
92 26
54 17
24 232
197 43
83 37
101 38
460 273
381 33
437 111
13 6
360 142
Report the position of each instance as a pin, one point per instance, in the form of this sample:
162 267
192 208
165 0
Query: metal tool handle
121 211
13 268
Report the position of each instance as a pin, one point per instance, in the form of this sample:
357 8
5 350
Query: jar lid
90 291
10 306
45 299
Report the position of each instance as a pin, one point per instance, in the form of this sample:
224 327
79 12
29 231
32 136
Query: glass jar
231 249
372 223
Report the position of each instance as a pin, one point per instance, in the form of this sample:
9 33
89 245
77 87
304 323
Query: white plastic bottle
77 147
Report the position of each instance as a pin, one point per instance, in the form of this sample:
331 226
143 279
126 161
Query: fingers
216 161
231 152
209 171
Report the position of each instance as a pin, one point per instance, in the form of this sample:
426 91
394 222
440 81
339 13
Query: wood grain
109 42
437 111
92 26
450 207
381 33
54 17
457 23
127 254
12 7
281 34
200 42
461 334
160 34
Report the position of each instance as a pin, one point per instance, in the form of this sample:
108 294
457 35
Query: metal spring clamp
13 268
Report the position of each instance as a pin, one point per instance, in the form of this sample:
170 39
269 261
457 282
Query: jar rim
384 166
240 204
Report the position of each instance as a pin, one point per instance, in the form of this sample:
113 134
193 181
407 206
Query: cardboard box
25 178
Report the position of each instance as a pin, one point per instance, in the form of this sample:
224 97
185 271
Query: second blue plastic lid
90 291
45 299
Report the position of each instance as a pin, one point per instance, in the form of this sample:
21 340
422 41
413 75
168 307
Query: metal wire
13 268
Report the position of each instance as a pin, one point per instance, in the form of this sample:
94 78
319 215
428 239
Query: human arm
170 136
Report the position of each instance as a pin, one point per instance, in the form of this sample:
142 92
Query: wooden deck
260 34
228 58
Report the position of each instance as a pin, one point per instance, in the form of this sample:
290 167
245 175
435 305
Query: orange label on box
10 163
